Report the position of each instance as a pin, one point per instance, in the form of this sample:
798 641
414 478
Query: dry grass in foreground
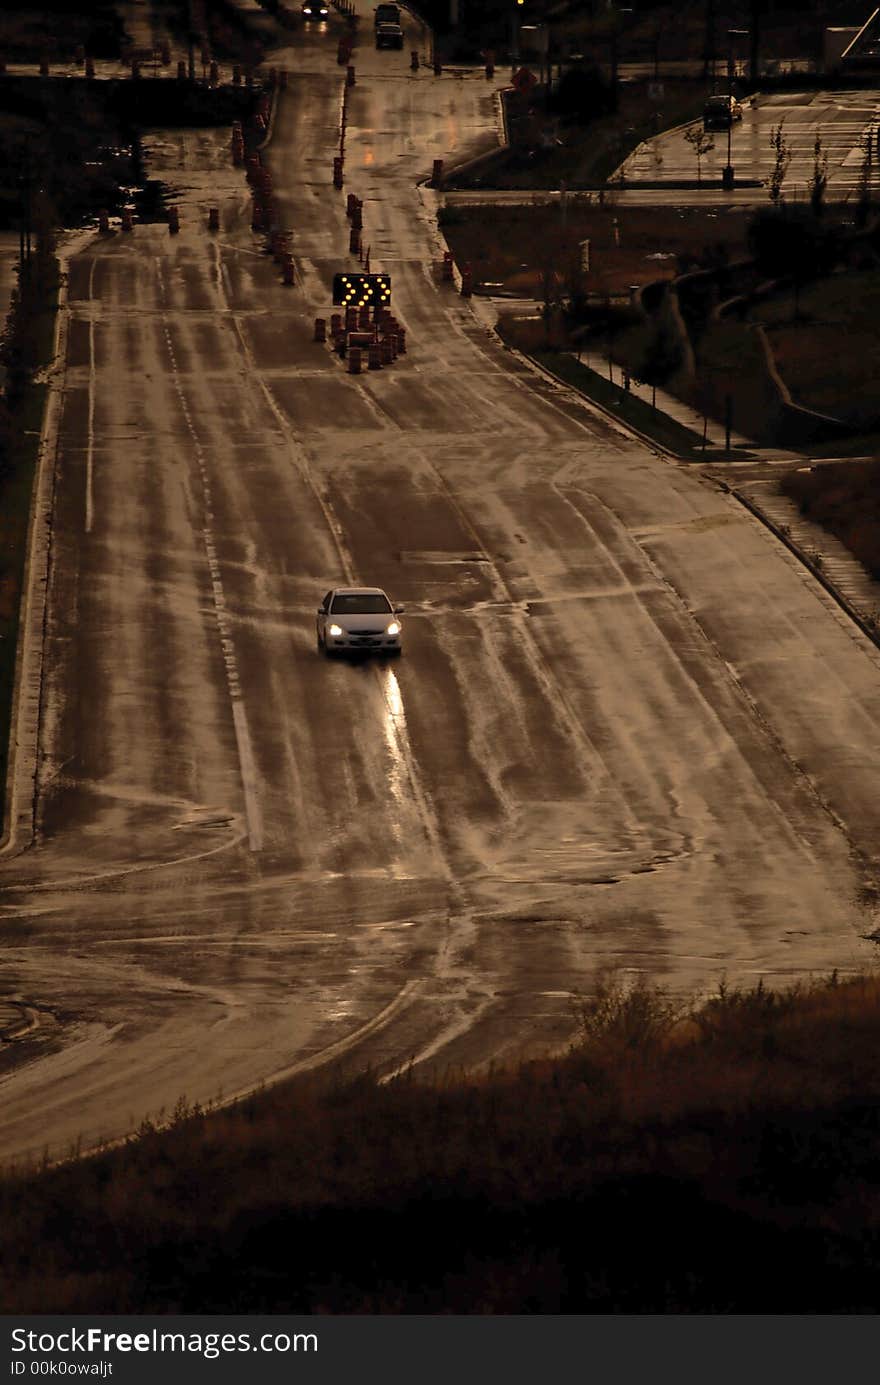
643 1173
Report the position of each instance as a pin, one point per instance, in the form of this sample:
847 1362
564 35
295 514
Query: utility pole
754 57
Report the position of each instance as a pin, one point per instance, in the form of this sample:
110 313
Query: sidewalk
710 429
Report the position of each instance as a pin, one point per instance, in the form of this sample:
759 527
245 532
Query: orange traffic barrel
173 220
287 271
354 242
374 357
320 329
354 360
401 340
213 218
127 221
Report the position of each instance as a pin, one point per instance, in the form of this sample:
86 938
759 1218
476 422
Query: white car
358 618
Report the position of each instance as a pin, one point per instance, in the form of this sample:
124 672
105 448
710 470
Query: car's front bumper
367 643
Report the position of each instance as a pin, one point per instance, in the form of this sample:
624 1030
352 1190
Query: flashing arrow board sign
362 290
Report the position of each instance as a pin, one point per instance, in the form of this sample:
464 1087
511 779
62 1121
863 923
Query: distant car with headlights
720 112
350 619
389 36
315 9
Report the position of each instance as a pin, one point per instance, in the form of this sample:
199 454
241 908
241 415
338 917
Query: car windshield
360 604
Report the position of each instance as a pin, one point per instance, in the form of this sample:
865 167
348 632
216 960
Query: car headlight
335 630
393 628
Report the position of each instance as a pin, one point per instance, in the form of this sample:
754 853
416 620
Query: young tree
819 180
863 205
782 158
702 143
661 357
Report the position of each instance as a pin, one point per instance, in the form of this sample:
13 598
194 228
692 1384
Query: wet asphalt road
627 730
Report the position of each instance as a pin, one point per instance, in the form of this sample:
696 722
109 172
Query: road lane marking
246 760
90 442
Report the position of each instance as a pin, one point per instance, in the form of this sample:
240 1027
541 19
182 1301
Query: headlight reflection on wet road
397 744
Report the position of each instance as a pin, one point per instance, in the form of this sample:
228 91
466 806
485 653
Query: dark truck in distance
389 36
386 14
720 112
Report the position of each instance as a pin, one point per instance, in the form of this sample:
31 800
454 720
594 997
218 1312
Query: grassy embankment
717 1159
